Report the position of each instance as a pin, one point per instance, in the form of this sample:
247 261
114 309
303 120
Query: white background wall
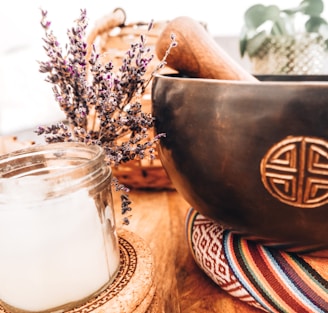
26 100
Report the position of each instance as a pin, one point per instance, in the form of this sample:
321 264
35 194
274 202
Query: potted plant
285 41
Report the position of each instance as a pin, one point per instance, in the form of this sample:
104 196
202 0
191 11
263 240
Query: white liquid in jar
55 253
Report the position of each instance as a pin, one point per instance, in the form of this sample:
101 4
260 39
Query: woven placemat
133 289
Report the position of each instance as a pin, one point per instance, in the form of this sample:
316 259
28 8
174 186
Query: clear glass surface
58 240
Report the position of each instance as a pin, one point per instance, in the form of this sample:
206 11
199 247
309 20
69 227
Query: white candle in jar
53 251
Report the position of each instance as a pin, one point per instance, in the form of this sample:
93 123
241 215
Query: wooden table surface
158 217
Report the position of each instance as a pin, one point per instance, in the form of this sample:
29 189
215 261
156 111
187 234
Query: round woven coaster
133 289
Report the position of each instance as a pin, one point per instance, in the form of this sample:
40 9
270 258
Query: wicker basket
113 37
12 143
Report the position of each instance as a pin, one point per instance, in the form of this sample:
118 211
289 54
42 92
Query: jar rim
64 166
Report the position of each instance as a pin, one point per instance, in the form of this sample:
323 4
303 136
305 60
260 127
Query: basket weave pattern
301 55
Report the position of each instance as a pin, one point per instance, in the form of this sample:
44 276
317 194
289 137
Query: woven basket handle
116 18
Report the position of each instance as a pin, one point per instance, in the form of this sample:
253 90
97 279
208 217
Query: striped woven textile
270 279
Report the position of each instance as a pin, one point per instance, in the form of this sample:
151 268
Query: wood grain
197 53
159 218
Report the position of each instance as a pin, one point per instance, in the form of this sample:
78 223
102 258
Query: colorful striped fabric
268 278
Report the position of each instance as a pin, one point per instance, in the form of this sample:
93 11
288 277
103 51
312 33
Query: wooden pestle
197 53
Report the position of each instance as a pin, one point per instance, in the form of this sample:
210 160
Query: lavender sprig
102 106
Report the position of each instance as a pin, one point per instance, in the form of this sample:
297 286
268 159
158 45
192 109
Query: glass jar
58 240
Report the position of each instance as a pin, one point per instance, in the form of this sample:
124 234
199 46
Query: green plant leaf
314 23
308 7
282 26
312 7
258 14
243 41
255 43
260 21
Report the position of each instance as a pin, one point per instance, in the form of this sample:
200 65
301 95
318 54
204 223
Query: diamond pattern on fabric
270 279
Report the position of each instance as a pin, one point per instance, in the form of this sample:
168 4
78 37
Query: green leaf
312 7
255 43
314 23
243 41
258 14
282 26
261 20
307 7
